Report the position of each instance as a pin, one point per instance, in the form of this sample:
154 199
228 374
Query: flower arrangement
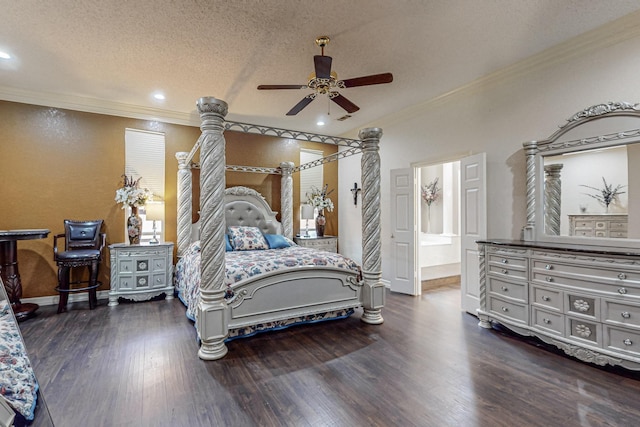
318 198
431 192
131 195
607 194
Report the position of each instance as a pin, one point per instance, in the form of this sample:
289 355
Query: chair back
82 234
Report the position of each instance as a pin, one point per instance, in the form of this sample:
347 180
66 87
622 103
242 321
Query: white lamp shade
306 211
154 211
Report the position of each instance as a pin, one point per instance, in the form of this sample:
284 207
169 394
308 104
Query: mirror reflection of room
586 181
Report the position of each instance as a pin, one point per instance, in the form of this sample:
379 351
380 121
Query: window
311 177
144 159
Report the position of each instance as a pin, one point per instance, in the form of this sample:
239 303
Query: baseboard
53 299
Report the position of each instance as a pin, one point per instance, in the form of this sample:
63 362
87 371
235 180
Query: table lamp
306 213
154 212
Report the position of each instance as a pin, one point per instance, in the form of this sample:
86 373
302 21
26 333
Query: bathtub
439 249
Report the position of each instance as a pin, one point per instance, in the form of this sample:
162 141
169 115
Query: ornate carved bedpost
530 150
373 293
552 197
286 199
185 194
484 320
212 314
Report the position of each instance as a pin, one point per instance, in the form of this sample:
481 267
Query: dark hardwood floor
429 364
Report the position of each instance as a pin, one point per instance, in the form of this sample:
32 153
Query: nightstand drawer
326 243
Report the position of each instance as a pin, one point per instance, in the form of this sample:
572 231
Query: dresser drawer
547 320
590 272
582 306
547 298
583 233
623 340
508 261
510 290
590 284
584 330
159 265
621 313
507 271
618 234
516 312
617 226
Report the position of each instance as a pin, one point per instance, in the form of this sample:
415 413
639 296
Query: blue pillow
276 241
227 243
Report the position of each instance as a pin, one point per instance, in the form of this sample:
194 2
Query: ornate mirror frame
599 126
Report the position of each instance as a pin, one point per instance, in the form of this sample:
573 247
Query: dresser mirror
572 175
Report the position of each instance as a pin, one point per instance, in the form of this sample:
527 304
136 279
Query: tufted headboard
245 206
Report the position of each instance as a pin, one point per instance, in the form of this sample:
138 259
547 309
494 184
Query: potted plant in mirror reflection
131 195
318 199
430 195
606 195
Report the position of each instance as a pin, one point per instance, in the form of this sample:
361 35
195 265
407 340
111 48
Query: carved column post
185 194
373 293
552 199
212 314
286 199
530 150
482 267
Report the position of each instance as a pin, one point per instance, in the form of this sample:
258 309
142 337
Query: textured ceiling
115 53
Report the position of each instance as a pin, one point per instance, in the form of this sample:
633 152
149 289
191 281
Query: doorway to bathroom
438 221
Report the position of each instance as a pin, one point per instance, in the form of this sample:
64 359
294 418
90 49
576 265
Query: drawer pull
505 271
504 288
158 280
126 267
622 291
548 267
627 342
549 279
546 321
622 276
505 309
505 261
625 314
545 298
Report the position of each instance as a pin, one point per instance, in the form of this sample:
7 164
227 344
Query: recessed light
159 96
320 123
4 55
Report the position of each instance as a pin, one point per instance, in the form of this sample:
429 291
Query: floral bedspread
17 381
241 265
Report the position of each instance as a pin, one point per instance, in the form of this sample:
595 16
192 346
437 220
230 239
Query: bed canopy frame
213 311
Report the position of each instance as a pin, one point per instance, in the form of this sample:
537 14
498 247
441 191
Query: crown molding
622 29
98 106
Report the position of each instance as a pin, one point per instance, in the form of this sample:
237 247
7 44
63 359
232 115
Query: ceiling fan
325 82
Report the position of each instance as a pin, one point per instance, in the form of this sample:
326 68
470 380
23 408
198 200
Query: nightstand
325 243
141 272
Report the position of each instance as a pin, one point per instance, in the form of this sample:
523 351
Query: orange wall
60 164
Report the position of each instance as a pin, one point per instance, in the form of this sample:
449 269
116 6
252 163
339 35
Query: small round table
9 267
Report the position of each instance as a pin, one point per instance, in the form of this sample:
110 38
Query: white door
404 277
473 203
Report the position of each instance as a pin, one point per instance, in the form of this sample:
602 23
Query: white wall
496 116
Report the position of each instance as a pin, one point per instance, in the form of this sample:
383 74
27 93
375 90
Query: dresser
325 243
584 300
140 272
603 225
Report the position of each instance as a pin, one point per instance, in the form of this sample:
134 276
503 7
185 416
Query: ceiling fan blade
349 106
271 87
374 79
300 105
323 66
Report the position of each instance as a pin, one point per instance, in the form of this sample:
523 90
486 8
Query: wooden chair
83 244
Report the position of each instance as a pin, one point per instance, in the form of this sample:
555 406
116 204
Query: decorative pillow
227 243
246 238
277 241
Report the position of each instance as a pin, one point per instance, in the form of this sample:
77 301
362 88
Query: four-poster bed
311 290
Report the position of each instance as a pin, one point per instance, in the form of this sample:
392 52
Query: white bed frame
281 295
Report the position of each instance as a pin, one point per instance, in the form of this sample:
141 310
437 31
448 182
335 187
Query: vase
320 223
134 226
